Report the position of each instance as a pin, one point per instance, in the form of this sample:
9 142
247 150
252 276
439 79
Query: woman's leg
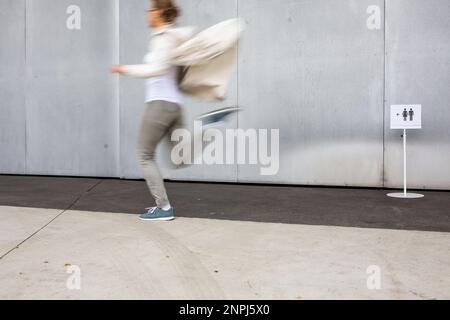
158 118
196 137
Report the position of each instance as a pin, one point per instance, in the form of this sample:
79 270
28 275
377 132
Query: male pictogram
411 114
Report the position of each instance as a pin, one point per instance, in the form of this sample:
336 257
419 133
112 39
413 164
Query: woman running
163 112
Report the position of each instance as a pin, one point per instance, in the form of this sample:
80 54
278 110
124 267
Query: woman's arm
162 47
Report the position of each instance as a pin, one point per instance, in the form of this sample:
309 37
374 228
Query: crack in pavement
56 217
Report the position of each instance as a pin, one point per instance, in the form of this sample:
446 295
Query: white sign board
406 116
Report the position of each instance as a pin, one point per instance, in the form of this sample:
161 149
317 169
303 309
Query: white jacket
208 58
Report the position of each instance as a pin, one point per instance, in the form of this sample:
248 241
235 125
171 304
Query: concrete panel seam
237 87
26 89
384 98
119 110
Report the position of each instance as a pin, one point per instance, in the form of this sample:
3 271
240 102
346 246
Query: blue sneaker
157 214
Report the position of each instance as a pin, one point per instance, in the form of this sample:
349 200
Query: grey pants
160 118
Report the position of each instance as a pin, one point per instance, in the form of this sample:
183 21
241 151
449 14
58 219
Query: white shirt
162 87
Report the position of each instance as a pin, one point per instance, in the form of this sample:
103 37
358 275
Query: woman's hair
170 12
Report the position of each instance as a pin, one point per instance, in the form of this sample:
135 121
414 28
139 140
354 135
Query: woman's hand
117 68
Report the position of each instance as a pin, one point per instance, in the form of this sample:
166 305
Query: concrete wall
12 87
71 99
324 72
317 72
418 71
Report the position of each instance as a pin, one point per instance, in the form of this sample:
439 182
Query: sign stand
405 194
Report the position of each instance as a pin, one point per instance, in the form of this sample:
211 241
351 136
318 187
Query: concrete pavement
121 257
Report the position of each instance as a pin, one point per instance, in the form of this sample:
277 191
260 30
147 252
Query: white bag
207 60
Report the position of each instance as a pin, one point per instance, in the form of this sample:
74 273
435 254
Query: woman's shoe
157 214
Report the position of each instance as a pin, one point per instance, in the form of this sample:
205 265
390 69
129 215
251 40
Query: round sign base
402 195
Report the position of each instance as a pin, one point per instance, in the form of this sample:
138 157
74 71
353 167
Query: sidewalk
228 242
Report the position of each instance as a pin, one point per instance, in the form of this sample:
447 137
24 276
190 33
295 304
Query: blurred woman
163 112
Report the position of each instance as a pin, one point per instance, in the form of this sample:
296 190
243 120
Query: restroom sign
406 116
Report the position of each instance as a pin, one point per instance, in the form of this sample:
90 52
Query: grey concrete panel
134 38
72 107
12 86
314 70
418 72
